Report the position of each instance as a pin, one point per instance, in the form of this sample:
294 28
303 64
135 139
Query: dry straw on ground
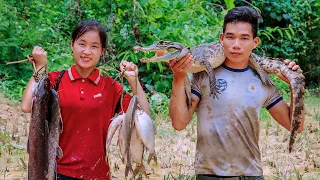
176 150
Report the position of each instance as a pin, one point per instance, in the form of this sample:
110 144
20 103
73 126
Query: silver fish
146 131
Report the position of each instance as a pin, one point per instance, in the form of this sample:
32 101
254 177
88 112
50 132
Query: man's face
238 42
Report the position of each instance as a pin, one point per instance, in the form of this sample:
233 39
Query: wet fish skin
39 131
127 131
136 150
114 125
55 128
146 131
122 143
44 131
138 126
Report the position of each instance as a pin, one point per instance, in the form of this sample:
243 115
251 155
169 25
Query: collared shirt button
83 80
82 92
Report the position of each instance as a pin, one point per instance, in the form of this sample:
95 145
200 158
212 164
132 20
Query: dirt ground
176 150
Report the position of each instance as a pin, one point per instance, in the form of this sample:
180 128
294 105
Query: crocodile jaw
171 50
165 58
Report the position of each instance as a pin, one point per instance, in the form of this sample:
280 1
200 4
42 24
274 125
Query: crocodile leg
212 79
262 74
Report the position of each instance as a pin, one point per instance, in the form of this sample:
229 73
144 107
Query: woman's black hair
87 26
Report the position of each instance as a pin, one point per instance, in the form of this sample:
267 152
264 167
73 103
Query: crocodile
208 56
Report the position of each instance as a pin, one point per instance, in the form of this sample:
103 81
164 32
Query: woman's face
87 50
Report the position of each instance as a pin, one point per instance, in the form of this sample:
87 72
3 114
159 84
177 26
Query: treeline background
289 29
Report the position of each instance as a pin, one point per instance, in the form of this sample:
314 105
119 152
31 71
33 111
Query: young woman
88 101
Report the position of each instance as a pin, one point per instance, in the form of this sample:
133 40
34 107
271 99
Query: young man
228 127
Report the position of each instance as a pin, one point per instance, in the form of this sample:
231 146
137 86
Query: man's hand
39 57
180 67
292 65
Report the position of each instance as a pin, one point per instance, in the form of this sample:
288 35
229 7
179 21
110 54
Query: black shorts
63 177
215 177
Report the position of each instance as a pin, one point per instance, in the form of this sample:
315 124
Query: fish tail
154 156
139 168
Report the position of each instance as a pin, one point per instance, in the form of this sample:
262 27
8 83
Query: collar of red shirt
74 75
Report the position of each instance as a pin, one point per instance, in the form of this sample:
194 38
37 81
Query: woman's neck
84 72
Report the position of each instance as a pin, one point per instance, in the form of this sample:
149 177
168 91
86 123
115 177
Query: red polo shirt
87 105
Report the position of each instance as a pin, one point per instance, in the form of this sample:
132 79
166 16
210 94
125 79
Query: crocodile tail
297 83
212 78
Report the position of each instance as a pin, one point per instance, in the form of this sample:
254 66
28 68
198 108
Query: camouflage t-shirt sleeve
273 98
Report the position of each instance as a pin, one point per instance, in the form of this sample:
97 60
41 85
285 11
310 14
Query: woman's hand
39 57
130 70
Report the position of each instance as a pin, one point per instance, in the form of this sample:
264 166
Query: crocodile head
164 51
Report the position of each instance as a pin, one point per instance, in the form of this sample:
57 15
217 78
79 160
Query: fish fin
28 146
52 175
139 168
154 128
60 125
154 156
128 168
59 152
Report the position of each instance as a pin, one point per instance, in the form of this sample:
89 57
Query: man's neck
236 65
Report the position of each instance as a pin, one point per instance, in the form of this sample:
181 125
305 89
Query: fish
39 131
136 150
127 130
114 125
142 136
44 130
146 131
55 128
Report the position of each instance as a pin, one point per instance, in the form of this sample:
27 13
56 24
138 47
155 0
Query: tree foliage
285 32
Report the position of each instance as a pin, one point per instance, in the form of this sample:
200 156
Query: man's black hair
243 14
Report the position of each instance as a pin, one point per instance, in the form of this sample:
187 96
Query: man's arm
179 113
282 112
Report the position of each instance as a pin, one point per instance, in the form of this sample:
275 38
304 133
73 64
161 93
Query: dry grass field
176 150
